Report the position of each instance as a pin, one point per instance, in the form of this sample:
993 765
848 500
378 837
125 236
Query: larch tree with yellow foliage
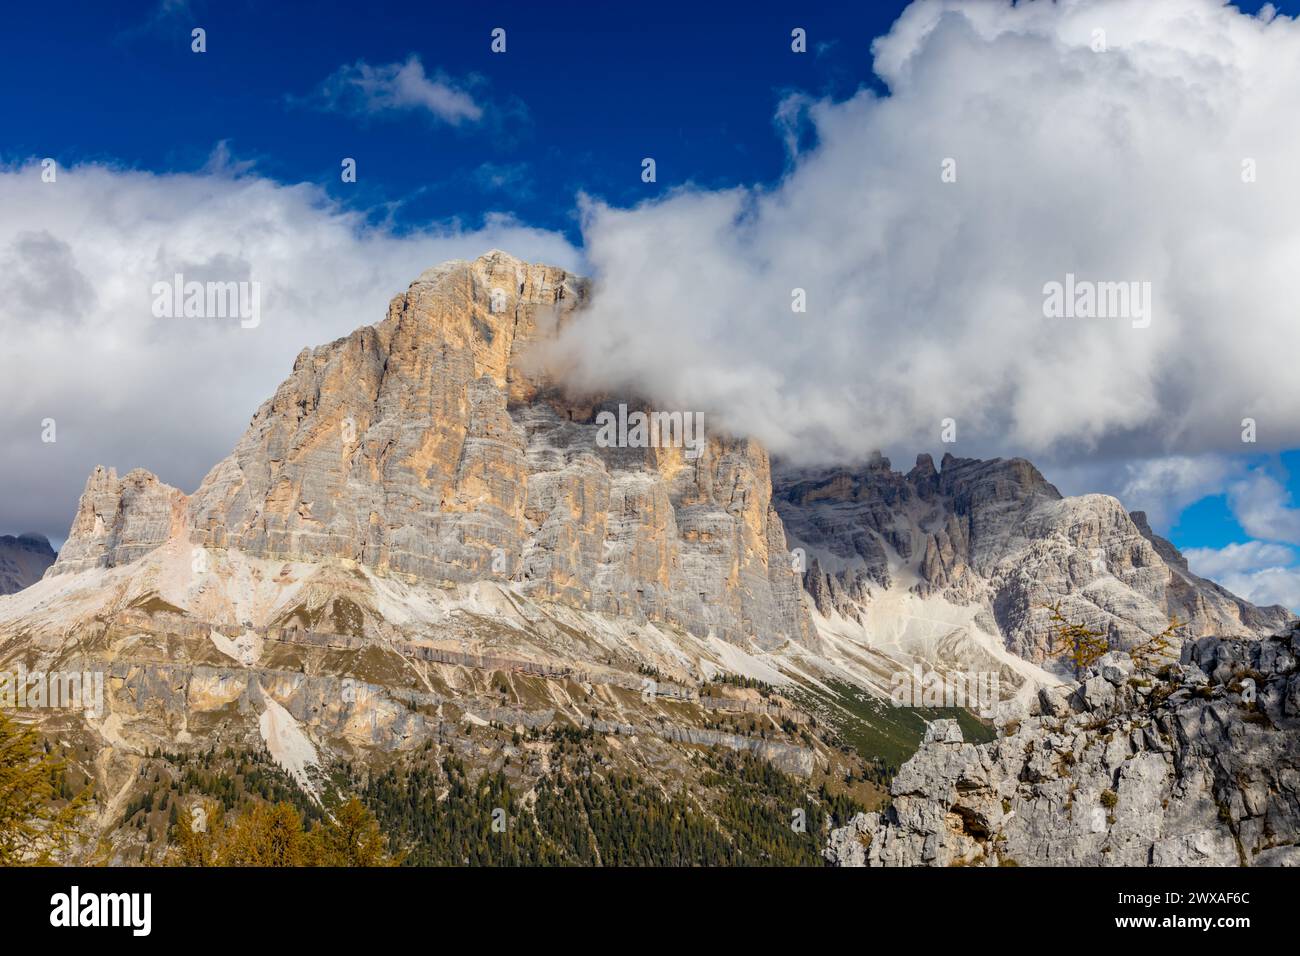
36 826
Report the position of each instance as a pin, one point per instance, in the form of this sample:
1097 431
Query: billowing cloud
361 88
1267 586
1163 487
1237 558
1264 509
1260 572
1088 143
79 258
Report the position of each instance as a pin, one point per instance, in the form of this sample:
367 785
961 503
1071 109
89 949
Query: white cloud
78 258
1263 508
1261 572
1268 585
399 87
925 298
1237 558
1163 487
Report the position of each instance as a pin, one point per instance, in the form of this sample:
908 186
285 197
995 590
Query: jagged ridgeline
1186 763
431 563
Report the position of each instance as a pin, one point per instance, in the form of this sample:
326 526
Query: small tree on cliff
1151 655
1083 645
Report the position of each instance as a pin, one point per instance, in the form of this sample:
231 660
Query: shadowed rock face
997 535
23 560
1194 765
423 446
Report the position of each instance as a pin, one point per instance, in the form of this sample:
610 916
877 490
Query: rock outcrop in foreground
1198 765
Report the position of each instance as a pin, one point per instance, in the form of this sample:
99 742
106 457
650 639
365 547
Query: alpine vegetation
979 692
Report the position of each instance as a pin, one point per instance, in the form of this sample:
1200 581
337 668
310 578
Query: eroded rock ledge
1196 765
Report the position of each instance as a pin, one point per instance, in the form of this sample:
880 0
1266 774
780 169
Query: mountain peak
24 559
119 520
427 445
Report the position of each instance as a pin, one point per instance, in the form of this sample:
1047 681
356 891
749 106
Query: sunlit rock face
429 445
436 445
424 532
119 520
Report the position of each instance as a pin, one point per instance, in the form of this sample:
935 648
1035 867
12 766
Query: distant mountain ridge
997 536
24 559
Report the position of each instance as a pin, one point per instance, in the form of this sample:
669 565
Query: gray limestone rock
1186 774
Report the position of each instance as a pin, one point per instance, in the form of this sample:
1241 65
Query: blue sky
587 90
583 92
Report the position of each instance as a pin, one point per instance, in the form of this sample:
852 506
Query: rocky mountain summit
423 446
1197 764
24 559
994 536
433 445
422 544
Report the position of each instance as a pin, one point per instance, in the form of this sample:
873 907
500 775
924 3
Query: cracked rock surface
1198 764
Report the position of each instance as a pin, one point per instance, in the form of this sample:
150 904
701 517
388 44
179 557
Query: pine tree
199 830
267 835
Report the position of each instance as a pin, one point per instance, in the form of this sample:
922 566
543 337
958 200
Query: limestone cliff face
419 517
119 520
996 535
422 446
430 445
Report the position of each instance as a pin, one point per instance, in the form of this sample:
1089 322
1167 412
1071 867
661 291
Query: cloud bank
1116 142
78 259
